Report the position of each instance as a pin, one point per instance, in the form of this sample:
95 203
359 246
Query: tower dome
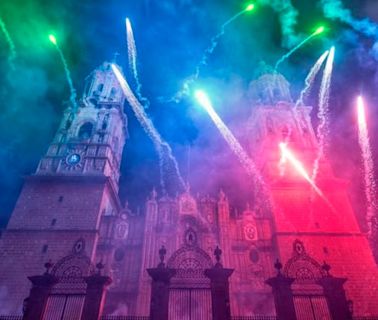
269 88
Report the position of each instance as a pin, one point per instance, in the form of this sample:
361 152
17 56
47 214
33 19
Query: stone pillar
161 278
333 289
35 304
220 292
283 294
95 295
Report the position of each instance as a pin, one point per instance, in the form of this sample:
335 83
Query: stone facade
69 210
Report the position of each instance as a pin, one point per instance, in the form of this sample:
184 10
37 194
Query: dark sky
171 37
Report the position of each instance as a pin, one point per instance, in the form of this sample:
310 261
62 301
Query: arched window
98 90
100 87
85 131
112 93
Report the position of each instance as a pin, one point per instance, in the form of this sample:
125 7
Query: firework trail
287 154
132 57
310 79
185 90
323 127
12 48
300 102
68 74
298 46
368 165
237 149
167 163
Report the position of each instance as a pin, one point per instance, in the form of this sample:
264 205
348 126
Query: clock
73 159
250 232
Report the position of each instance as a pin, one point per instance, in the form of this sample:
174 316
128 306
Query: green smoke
335 10
288 15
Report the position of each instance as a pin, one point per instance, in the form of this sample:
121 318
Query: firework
12 48
323 127
310 79
368 165
53 40
298 46
167 163
233 143
132 57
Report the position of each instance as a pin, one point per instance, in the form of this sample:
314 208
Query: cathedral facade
69 212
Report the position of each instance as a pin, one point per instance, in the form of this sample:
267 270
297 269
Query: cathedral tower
323 224
63 207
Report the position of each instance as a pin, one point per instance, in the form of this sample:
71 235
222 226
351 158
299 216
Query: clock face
73 159
250 231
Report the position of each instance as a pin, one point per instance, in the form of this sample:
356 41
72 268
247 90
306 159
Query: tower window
105 122
60 199
112 94
53 222
85 131
44 248
254 256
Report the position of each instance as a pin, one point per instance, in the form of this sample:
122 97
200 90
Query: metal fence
10 317
254 318
108 317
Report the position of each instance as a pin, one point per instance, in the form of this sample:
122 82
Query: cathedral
69 220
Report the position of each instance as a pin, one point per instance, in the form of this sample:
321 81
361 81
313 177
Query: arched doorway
67 297
309 300
189 293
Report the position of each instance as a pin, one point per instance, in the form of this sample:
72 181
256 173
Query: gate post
220 293
334 292
35 304
283 294
161 277
95 294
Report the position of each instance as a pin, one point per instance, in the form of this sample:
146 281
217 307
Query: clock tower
63 207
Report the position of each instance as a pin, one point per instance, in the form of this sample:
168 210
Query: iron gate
311 307
64 307
189 304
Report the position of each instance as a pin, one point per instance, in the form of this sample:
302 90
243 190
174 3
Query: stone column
161 278
333 288
95 295
35 304
220 292
283 294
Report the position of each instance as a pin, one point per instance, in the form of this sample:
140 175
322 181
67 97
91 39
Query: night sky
171 37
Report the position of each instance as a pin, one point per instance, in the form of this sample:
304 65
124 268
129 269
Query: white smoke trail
233 143
323 112
310 79
368 166
300 102
132 57
68 77
166 159
12 48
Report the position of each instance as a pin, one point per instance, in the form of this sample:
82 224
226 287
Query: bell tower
325 222
90 143
68 205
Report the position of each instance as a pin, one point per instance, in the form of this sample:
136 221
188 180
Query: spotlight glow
52 39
